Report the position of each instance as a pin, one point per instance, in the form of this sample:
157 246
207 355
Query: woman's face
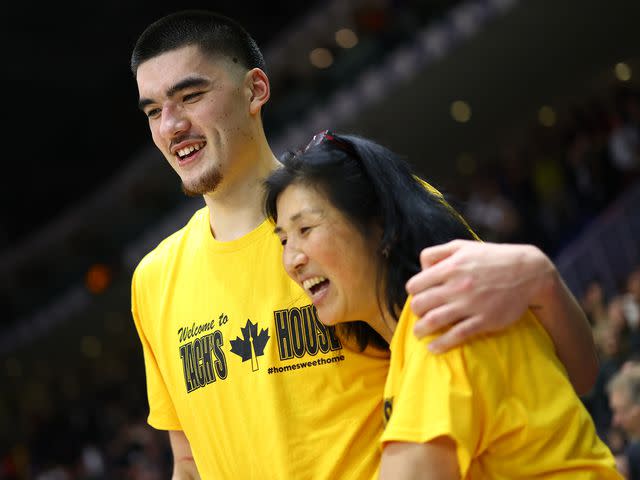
327 256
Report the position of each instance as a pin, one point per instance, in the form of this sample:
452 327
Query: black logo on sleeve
251 345
387 409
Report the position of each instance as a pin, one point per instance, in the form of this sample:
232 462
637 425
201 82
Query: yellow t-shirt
505 399
236 358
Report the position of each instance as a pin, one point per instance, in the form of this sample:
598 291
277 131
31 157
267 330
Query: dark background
70 103
84 194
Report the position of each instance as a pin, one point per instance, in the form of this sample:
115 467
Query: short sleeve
162 413
431 395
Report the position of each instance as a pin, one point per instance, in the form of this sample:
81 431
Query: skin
626 414
191 100
434 460
319 242
184 467
480 287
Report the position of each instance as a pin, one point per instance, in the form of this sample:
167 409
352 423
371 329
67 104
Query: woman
352 243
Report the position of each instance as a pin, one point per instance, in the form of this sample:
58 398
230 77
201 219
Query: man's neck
237 206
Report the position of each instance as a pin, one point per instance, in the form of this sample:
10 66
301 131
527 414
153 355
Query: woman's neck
384 324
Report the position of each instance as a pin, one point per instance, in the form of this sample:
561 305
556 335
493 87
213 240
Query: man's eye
304 230
191 96
153 113
283 241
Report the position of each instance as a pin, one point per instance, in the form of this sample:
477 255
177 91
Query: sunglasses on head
326 136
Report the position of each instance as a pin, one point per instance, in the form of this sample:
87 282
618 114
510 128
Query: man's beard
207 183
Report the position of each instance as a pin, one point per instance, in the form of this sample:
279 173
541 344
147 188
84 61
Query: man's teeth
183 152
312 282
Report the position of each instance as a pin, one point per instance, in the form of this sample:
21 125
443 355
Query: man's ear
259 89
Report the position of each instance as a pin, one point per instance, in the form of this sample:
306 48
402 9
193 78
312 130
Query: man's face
198 114
626 414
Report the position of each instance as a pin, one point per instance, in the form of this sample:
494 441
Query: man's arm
184 467
434 460
479 287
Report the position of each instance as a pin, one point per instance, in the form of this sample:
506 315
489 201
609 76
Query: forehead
159 73
298 200
299 195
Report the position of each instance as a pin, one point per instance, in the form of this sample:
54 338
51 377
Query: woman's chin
328 319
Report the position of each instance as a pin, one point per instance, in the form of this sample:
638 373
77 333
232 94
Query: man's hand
474 287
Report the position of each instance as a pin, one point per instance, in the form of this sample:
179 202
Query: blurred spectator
559 179
584 162
610 344
593 303
553 206
617 321
515 183
624 142
624 398
631 299
491 213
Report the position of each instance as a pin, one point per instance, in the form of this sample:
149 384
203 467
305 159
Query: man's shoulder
169 245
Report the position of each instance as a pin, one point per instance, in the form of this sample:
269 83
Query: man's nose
173 121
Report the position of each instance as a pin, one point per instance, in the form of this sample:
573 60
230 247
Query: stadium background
526 113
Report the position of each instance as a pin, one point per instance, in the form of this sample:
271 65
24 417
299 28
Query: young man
239 371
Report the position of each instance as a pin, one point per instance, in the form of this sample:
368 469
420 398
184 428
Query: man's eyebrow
189 82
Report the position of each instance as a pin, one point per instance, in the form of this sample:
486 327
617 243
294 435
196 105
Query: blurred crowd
85 420
90 422
614 402
546 187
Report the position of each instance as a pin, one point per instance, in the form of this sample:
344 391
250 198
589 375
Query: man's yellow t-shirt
504 398
236 358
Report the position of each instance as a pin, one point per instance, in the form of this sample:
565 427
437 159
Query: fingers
430 259
425 303
456 335
429 277
438 318
432 255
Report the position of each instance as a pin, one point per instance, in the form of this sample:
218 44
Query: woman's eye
283 241
304 230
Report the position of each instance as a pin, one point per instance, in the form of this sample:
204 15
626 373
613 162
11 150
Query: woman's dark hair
373 187
213 33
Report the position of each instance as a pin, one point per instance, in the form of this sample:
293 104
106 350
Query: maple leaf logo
251 345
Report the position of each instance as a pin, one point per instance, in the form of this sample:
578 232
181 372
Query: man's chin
202 186
190 192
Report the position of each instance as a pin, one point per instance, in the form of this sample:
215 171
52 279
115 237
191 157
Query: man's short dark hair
213 33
